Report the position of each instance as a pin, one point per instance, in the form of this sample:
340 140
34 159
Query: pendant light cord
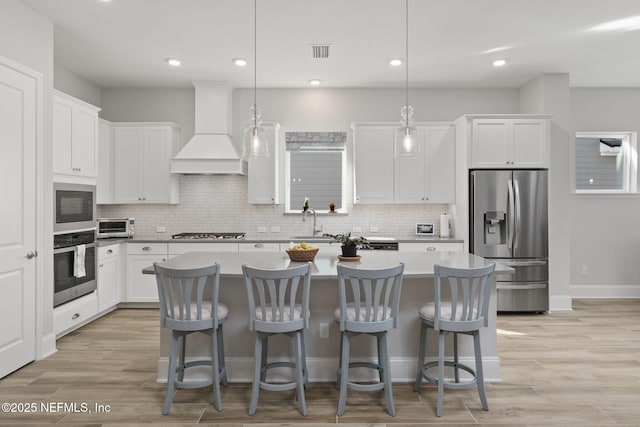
255 65
406 45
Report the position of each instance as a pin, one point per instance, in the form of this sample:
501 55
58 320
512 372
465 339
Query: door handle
32 254
516 240
510 214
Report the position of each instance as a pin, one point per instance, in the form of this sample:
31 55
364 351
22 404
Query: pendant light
254 141
406 141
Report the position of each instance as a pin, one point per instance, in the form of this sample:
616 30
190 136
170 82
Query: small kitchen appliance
115 227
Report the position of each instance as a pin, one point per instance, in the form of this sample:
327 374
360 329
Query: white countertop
417 264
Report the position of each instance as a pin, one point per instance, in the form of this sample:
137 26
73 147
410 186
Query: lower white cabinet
74 314
142 287
258 247
431 246
108 277
183 248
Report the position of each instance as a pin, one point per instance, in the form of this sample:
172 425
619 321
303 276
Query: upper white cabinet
430 177
509 142
75 139
141 163
263 182
373 163
381 178
104 184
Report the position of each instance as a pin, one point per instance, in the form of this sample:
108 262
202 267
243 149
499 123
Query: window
315 170
606 162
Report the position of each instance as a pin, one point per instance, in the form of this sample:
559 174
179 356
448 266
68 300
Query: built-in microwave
75 207
115 227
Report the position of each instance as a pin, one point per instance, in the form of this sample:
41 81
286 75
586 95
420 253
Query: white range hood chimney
211 150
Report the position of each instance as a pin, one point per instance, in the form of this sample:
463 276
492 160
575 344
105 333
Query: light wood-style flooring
579 368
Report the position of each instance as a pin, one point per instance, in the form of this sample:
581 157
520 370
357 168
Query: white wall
219 203
76 86
27 38
605 230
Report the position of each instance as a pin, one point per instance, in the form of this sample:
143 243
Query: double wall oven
74 242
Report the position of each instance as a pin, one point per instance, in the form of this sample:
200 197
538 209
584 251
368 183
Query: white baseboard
560 303
47 346
606 291
323 369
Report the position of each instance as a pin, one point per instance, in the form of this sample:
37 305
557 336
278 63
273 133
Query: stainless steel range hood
211 150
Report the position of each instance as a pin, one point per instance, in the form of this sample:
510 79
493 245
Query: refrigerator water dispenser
495 228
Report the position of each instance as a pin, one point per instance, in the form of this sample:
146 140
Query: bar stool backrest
369 299
188 297
466 305
278 299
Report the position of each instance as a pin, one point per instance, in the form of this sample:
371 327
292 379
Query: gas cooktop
202 236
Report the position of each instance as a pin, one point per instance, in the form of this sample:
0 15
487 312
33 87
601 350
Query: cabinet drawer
105 252
146 248
259 246
183 248
428 246
74 313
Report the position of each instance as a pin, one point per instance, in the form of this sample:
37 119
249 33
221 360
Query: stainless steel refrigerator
508 223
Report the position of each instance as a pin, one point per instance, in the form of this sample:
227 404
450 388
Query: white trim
606 291
560 303
323 369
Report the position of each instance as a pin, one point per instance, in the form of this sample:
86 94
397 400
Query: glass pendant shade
406 139
255 142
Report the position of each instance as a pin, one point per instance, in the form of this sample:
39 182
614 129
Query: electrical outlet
357 229
324 330
262 229
374 229
275 229
585 270
161 229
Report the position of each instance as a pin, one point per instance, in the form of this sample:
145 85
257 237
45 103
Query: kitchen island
322 353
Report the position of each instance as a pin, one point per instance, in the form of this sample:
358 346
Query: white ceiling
123 43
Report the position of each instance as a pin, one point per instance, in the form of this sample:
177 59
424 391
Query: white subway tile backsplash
219 203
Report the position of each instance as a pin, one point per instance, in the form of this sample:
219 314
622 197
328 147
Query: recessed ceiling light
395 62
240 62
499 63
314 82
173 62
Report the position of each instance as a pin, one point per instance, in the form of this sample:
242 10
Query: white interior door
18 94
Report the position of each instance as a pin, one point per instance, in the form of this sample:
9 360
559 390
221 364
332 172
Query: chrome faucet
317 228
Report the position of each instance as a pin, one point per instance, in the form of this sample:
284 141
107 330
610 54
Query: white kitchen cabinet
429 177
73 314
141 163
104 184
430 246
108 277
142 287
373 163
263 174
183 248
509 142
75 140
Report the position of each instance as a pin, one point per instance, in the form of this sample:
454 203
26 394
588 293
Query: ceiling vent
320 51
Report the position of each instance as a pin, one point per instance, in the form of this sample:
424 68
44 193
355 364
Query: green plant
345 239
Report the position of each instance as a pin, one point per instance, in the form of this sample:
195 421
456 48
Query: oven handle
71 248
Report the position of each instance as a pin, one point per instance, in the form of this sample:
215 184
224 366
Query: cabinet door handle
75 316
431 248
258 245
101 265
32 254
109 251
146 249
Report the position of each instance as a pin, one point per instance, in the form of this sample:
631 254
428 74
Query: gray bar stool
464 310
278 304
188 304
369 301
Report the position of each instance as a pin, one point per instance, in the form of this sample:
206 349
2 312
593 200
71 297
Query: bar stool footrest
448 384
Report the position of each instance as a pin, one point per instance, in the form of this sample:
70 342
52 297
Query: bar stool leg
440 372
305 372
386 371
421 349
215 366
182 362
339 374
456 371
171 386
344 355
300 372
223 367
257 367
479 372
263 357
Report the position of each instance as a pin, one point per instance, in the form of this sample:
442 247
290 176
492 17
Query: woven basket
303 255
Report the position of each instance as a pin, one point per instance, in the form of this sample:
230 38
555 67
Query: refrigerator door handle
510 214
516 240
